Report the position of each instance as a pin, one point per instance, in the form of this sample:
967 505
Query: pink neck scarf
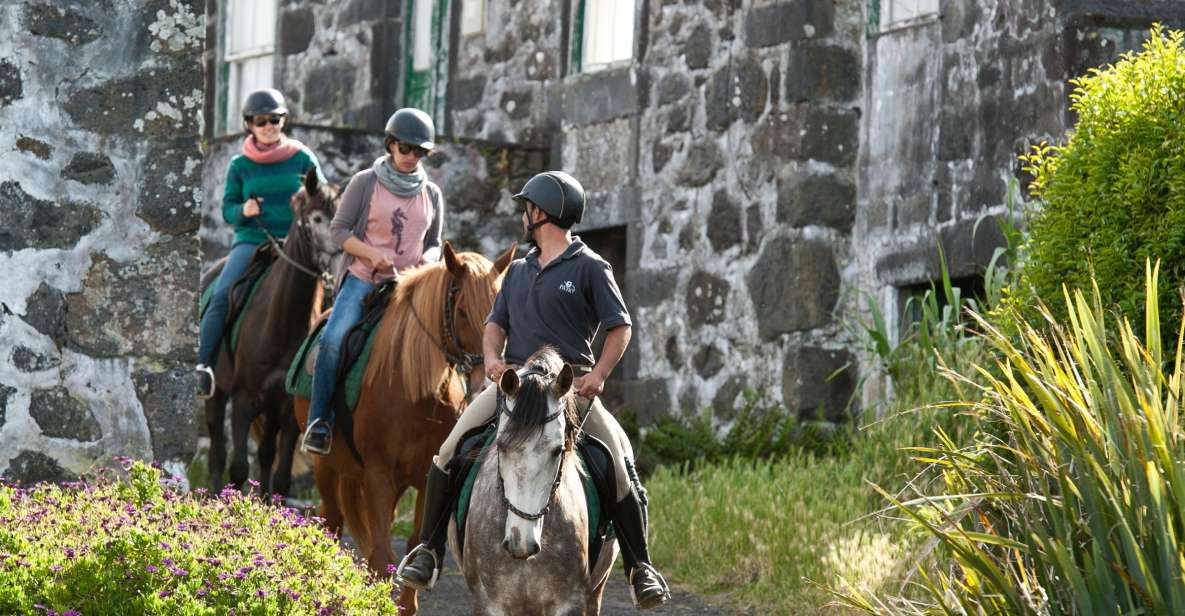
277 152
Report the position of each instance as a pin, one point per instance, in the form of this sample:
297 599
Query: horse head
477 282
536 433
313 207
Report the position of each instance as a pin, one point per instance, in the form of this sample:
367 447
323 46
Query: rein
278 247
462 360
555 485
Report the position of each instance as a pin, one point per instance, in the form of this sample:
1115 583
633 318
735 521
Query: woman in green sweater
259 186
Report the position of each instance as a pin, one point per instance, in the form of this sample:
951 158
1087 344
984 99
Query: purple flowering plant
139 545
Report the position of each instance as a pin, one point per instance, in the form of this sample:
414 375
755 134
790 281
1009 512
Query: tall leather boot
420 568
647 586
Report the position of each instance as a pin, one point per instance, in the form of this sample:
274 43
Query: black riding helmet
264 101
558 194
412 126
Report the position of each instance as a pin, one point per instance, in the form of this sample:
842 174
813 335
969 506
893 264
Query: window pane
472 16
251 27
422 35
608 31
902 10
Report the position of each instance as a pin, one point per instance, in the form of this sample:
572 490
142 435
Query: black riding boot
647 586
422 565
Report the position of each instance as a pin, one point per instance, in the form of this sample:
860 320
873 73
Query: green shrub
1075 504
1114 194
141 546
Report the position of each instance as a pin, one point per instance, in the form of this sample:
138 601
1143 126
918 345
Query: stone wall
100 113
477 179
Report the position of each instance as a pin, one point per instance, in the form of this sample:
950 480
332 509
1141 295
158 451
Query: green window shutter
423 89
577 51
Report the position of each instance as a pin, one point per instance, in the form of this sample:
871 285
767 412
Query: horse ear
451 261
311 181
509 383
503 261
563 383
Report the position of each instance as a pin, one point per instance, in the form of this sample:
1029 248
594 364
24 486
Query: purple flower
55 568
261 593
71 613
164 593
178 571
151 569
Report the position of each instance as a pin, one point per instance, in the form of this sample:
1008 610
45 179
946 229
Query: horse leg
240 424
215 426
289 434
409 601
327 486
379 502
267 448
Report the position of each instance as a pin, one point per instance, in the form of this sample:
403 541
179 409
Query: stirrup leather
666 590
399 579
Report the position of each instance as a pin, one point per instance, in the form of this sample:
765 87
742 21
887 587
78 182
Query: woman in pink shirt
390 218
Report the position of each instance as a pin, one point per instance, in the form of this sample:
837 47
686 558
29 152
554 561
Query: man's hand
590 385
494 368
251 208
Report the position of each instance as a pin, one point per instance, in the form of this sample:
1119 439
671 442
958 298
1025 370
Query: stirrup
204 369
304 441
666 590
402 581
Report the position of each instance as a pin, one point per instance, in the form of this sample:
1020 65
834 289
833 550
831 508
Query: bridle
555 485
302 228
462 360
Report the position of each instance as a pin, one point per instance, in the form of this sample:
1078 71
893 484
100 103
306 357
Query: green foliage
140 546
1114 194
1075 503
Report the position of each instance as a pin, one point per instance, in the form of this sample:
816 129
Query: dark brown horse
275 323
412 394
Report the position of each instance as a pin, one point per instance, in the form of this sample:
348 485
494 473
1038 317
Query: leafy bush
1114 194
1076 503
140 546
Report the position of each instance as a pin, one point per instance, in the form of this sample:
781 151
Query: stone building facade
100 176
756 168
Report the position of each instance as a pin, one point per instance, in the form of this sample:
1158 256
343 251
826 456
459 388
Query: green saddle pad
466 492
208 294
299 380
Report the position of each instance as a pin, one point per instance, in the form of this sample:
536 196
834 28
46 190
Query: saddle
242 291
597 474
351 368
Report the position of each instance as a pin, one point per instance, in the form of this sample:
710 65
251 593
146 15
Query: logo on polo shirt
568 287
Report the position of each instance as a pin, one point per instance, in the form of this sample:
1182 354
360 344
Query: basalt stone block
34 223
818 383
795 20
673 354
28 360
704 159
45 311
831 136
707 297
708 361
89 168
30 467
754 227
166 393
296 30
602 96
11 86
673 87
147 101
6 392
794 286
329 87
467 93
678 120
779 135
698 48
822 72
36 147
166 198
60 415
728 398
724 222
650 399
63 24
736 90
357 11
653 287
824 200
516 104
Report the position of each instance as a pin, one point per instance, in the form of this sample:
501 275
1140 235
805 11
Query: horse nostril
532 550
506 545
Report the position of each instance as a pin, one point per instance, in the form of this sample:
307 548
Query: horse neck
291 301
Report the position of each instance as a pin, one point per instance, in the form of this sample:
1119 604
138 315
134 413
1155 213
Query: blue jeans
347 311
214 321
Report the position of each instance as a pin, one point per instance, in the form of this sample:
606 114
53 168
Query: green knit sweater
275 183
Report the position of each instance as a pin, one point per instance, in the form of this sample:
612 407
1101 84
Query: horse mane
403 348
530 403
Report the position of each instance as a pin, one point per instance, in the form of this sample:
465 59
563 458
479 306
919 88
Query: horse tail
349 497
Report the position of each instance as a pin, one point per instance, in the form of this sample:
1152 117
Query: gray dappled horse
274 325
526 539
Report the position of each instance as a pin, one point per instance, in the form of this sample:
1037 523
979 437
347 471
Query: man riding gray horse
560 294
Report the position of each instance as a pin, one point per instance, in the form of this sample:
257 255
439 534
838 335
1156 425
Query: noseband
555 485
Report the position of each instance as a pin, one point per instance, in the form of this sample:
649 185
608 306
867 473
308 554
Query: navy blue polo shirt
563 305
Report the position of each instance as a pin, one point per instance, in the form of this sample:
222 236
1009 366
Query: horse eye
559 451
317 218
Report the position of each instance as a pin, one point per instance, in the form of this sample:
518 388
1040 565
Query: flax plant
1071 499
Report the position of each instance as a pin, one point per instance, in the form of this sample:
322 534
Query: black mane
530 404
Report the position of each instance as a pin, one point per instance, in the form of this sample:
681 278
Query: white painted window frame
473 17
896 13
250 62
610 30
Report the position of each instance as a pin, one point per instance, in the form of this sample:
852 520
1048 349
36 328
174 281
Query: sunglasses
261 121
407 148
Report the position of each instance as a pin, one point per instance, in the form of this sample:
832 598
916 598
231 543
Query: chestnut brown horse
412 393
251 375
